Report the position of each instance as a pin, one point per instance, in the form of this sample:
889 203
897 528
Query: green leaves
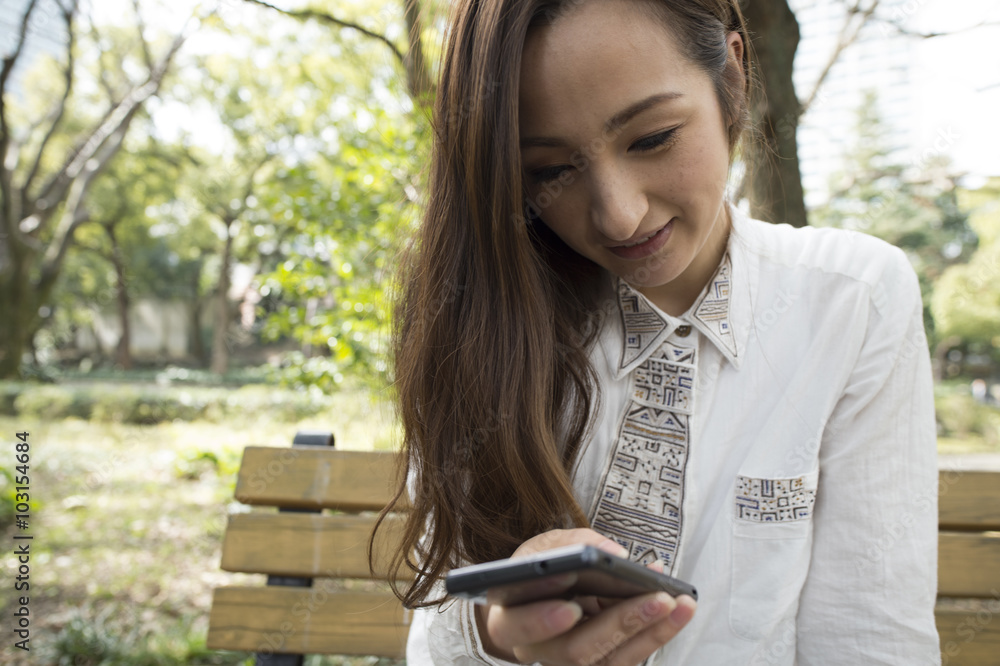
966 300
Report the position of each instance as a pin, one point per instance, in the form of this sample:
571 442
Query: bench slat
969 500
968 564
308 545
308 621
969 638
315 478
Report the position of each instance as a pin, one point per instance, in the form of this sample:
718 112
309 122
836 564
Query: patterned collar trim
646 326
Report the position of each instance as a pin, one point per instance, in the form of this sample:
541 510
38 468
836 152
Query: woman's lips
647 247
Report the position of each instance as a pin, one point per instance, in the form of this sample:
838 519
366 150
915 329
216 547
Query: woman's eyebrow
616 121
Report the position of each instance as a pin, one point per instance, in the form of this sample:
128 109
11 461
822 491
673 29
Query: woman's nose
617 206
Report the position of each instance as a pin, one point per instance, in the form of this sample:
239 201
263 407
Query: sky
960 81
949 104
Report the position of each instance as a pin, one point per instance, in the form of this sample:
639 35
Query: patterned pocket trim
773 500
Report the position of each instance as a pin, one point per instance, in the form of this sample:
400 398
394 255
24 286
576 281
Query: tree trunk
773 162
18 317
220 336
197 343
123 356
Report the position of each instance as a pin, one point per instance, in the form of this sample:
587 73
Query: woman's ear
734 47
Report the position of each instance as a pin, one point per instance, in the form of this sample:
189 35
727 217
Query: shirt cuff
473 640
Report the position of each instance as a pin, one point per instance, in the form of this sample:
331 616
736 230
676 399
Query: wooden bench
321 599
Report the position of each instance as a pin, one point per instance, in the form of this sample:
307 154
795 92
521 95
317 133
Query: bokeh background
201 203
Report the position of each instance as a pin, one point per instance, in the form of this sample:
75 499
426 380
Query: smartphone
567 572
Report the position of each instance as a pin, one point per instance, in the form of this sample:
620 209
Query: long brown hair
495 315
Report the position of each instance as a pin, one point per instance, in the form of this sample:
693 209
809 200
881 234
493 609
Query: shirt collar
721 311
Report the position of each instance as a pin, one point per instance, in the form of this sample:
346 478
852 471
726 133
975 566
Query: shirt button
683 331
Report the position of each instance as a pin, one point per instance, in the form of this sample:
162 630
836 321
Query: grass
127 524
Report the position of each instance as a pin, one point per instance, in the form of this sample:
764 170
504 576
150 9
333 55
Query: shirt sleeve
870 593
447 634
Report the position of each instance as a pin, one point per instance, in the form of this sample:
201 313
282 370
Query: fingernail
657 605
679 617
657 565
564 616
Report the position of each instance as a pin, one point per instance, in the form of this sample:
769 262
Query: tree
49 162
966 301
413 58
140 177
339 190
914 207
774 181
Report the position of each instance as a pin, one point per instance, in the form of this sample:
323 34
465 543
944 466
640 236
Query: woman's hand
621 633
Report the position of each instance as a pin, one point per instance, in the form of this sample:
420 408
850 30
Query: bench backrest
968 608
346 612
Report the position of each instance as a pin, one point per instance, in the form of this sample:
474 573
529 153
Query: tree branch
906 32
306 14
141 27
102 71
117 118
74 213
9 229
58 111
848 35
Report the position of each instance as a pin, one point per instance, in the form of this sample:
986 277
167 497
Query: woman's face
625 149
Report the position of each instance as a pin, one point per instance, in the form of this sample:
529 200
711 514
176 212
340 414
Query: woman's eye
655 141
547 174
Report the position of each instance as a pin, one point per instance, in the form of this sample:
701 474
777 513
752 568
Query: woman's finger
559 538
510 626
653 637
601 637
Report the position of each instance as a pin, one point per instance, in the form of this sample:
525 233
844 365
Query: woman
594 346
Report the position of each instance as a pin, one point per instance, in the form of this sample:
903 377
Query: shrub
960 415
150 404
146 407
8 394
7 502
52 402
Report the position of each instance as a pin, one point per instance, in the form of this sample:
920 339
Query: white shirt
776 446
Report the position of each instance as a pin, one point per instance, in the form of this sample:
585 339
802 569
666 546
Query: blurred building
934 94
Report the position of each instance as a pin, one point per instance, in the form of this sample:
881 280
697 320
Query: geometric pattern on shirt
641 323
641 493
773 500
713 310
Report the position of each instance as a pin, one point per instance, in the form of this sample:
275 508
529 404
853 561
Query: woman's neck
676 297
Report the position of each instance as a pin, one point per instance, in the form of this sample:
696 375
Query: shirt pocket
772 541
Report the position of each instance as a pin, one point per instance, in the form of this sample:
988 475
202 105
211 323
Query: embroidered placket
640 499
639 502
